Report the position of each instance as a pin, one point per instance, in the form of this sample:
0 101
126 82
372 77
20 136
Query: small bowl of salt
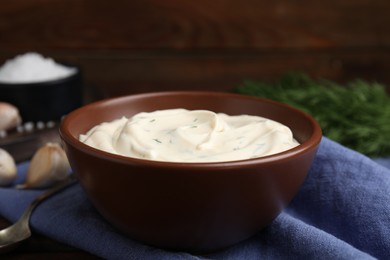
42 89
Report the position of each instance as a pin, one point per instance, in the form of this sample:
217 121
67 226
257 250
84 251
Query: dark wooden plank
113 72
154 24
135 46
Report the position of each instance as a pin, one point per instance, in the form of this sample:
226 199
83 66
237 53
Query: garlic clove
48 166
9 116
8 170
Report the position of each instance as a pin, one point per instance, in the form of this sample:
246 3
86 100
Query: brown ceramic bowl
197 207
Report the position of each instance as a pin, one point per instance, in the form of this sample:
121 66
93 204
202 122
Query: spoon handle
12 236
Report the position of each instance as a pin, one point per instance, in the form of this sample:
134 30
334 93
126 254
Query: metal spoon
13 235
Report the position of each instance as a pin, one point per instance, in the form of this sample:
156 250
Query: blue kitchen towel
342 211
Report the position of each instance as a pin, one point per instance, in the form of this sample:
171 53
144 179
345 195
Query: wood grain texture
135 46
186 24
113 73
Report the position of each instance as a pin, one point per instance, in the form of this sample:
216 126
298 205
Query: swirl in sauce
180 135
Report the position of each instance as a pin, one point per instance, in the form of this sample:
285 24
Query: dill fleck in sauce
180 135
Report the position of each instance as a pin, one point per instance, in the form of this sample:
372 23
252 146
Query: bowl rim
311 143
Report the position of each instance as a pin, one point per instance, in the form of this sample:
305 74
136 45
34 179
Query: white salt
32 67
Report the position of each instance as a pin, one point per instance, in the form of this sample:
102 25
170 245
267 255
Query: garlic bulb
7 168
48 165
9 116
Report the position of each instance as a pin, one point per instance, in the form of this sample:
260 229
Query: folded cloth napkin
342 211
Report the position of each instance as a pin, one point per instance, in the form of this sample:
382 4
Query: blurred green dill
356 114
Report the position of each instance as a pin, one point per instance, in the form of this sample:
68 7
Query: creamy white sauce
179 135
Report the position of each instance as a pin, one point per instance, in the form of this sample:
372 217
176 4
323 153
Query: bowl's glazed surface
197 207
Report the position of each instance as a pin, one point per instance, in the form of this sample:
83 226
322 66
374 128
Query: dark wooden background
136 46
